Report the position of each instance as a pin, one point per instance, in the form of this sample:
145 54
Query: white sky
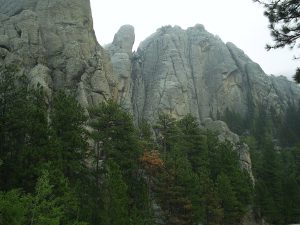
238 21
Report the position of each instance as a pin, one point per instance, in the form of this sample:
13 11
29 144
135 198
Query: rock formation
53 42
174 70
192 71
121 54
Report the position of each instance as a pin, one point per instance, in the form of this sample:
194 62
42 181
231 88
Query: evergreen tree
114 196
45 209
23 131
116 139
283 17
234 121
13 208
69 140
192 141
284 22
167 133
114 136
230 204
146 135
289 132
290 209
212 211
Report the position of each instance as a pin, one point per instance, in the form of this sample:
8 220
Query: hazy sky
238 21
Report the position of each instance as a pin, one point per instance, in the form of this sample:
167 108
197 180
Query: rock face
121 54
54 43
192 71
174 70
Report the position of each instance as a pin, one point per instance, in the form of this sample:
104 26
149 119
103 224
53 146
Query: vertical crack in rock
57 35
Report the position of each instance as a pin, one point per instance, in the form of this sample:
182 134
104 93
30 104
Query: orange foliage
151 160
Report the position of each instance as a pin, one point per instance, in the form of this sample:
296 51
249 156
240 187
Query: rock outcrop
121 54
192 71
174 70
53 42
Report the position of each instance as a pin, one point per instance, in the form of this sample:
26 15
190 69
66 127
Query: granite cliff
53 42
120 51
174 71
192 71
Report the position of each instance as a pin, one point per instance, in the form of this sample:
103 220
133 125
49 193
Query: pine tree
23 130
192 141
284 24
114 196
167 133
68 159
230 204
45 209
234 121
145 135
114 136
69 140
116 139
291 200
212 211
13 208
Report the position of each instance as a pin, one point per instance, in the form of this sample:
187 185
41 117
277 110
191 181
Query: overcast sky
238 21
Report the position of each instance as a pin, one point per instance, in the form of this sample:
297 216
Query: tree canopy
56 171
284 23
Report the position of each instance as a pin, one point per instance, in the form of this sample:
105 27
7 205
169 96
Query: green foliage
31 143
192 187
193 142
114 196
235 121
174 187
166 133
117 142
277 187
230 204
23 130
188 172
210 210
45 209
289 134
114 134
284 24
68 136
13 208
145 135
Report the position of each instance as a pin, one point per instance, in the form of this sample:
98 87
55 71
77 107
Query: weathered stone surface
40 76
174 70
192 71
121 53
123 40
57 36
